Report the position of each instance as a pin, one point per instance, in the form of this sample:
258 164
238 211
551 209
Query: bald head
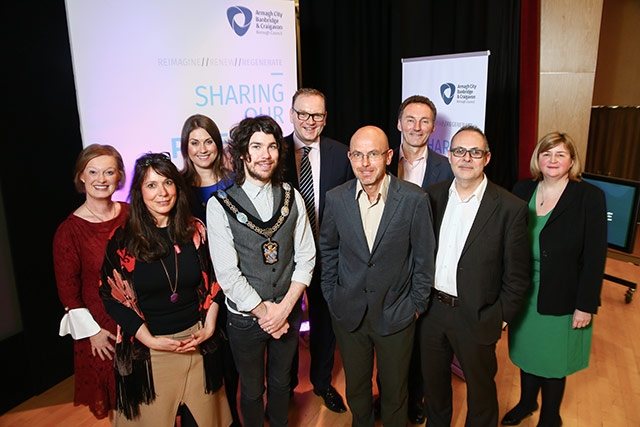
370 155
371 134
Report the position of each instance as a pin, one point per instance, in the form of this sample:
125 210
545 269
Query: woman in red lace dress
78 251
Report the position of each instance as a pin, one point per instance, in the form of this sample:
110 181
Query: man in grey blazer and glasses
377 250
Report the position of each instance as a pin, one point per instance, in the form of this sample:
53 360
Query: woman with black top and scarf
158 285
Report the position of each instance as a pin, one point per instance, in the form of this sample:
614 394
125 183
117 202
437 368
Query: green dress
545 345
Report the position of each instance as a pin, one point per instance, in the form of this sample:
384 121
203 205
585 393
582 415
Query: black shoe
416 413
517 414
377 408
332 399
557 423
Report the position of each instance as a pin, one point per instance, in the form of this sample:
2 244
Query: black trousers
392 355
250 346
441 336
416 383
322 340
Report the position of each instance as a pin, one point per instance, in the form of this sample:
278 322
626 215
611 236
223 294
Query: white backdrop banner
142 67
456 84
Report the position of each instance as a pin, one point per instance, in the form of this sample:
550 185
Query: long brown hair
239 145
141 235
198 121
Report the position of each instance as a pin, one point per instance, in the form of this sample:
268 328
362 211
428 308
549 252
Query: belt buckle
447 299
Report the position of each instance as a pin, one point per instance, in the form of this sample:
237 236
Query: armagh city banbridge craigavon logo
235 14
447 90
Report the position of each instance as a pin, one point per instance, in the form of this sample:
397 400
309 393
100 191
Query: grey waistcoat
271 281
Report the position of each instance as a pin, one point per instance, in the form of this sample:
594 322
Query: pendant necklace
172 286
102 220
553 196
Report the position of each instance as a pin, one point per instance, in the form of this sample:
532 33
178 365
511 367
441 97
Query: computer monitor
623 200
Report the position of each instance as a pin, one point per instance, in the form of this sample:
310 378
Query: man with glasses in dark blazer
315 164
482 275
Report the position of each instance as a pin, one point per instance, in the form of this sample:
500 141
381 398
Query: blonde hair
552 140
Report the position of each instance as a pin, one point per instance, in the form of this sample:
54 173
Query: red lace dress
78 252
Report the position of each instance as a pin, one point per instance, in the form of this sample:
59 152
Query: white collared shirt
412 172
459 216
314 158
224 255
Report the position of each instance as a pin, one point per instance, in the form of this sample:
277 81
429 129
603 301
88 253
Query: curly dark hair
239 145
141 235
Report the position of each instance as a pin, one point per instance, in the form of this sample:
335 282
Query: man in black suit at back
415 162
315 165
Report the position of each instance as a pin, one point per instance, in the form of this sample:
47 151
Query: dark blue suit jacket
438 168
335 168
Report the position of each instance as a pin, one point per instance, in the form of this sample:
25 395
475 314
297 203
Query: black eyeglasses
304 116
148 159
475 153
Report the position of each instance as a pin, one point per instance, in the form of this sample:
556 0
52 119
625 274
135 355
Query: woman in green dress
551 338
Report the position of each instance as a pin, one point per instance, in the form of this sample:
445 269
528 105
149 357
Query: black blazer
392 282
494 267
438 168
573 249
335 168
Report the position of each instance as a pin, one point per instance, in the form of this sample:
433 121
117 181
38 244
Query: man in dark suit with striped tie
315 165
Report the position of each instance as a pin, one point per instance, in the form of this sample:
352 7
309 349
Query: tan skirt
180 378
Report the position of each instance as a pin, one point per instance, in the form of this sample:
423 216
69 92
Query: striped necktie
306 188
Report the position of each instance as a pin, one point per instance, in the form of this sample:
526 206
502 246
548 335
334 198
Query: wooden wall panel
617 81
569 34
565 106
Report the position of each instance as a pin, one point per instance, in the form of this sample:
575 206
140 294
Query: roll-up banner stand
142 67
456 84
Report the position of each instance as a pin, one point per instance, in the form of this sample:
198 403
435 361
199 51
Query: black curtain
41 140
614 142
351 51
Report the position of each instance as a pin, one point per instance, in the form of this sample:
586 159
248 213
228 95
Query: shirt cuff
79 323
249 304
302 277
